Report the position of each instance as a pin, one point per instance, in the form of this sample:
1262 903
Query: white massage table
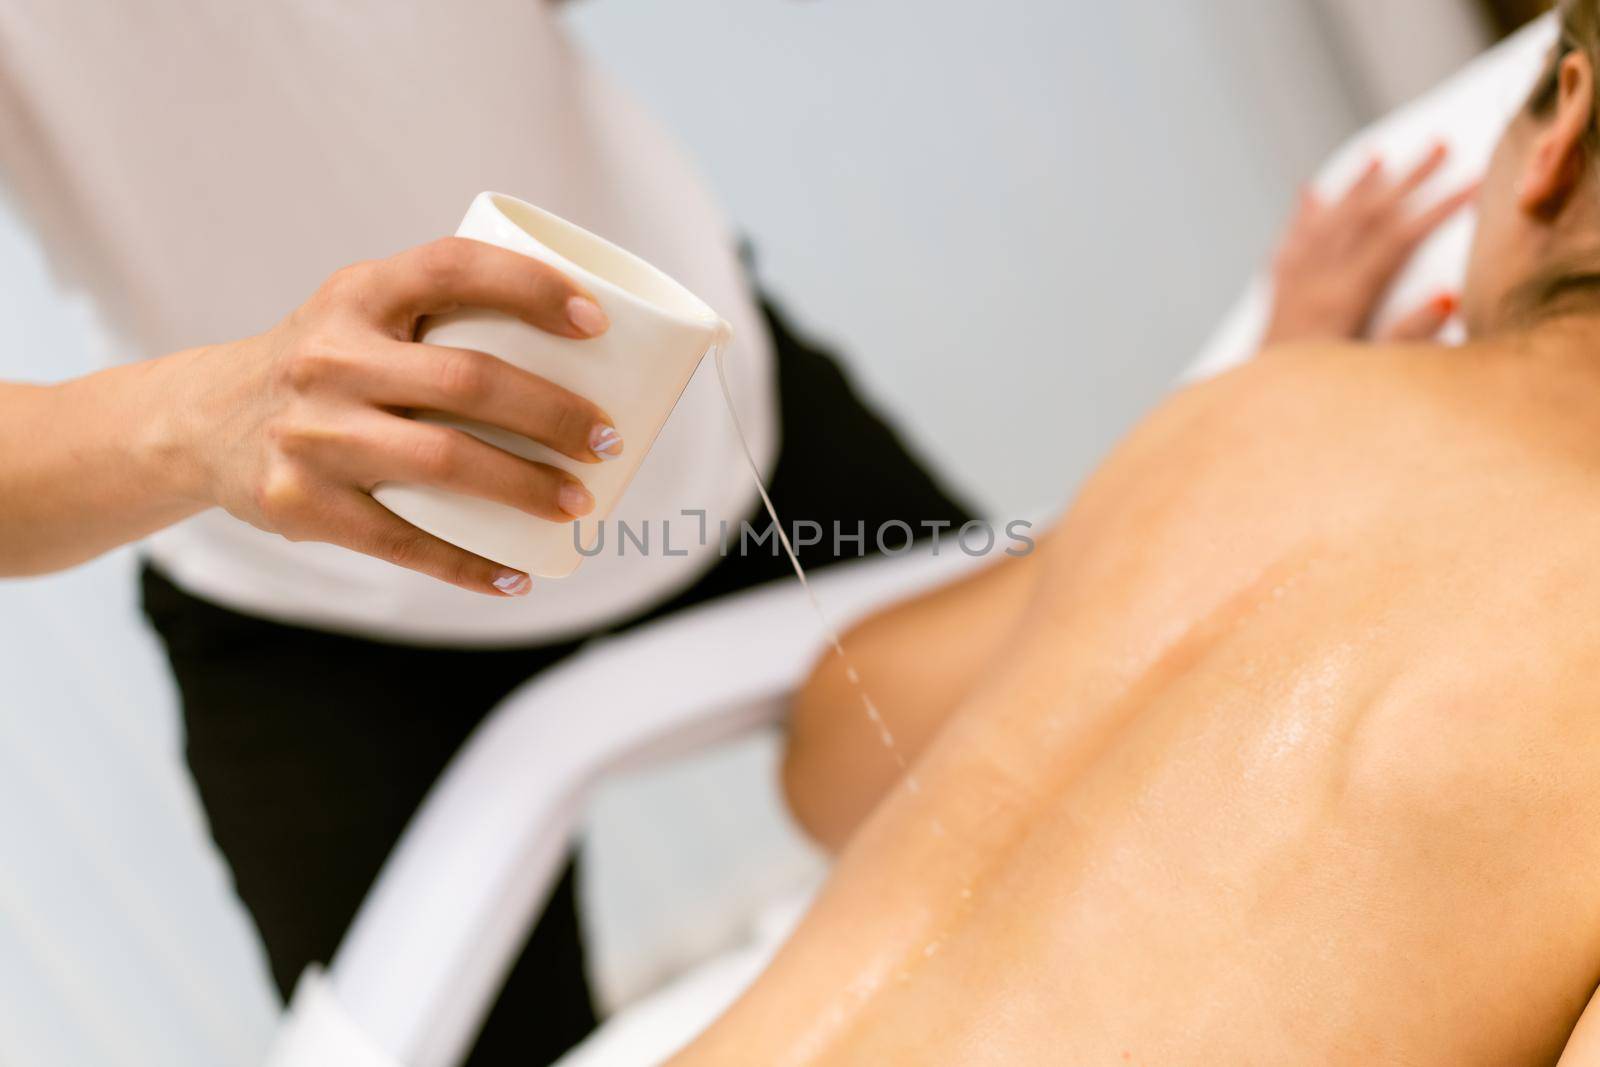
428 950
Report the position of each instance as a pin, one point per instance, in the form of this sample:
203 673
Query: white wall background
1395 51
1017 217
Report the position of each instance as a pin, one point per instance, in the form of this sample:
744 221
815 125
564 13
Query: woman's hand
292 429
1340 256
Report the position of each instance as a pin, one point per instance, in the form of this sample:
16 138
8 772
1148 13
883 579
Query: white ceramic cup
635 371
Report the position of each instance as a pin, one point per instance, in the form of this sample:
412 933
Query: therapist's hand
292 429
1340 256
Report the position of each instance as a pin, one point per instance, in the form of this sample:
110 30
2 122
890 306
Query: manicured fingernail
1446 304
586 316
605 441
575 500
513 583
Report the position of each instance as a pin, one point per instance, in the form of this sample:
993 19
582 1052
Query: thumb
1425 322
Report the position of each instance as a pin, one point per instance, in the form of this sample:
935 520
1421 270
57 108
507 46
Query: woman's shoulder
1313 375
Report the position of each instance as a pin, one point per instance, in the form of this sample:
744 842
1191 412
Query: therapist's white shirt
201 166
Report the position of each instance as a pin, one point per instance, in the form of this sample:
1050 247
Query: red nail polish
1446 304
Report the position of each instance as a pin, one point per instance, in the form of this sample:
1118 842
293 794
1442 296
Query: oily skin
1285 752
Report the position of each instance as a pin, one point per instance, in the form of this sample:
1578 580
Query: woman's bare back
1291 758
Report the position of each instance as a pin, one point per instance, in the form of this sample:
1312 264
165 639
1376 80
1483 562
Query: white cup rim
707 316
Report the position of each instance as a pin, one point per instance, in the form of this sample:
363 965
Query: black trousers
311 750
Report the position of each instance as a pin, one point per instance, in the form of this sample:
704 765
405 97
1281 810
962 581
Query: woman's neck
1563 283
1564 337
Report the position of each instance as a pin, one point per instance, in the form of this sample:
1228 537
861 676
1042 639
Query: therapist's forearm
90 464
291 429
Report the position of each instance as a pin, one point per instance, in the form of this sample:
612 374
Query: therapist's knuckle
283 497
549 283
437 454
465 376
407 548
311 365
443 263
347 285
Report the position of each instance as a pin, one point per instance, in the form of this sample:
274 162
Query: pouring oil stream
874 716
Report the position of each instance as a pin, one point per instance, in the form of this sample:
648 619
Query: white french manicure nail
513 583
605 442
